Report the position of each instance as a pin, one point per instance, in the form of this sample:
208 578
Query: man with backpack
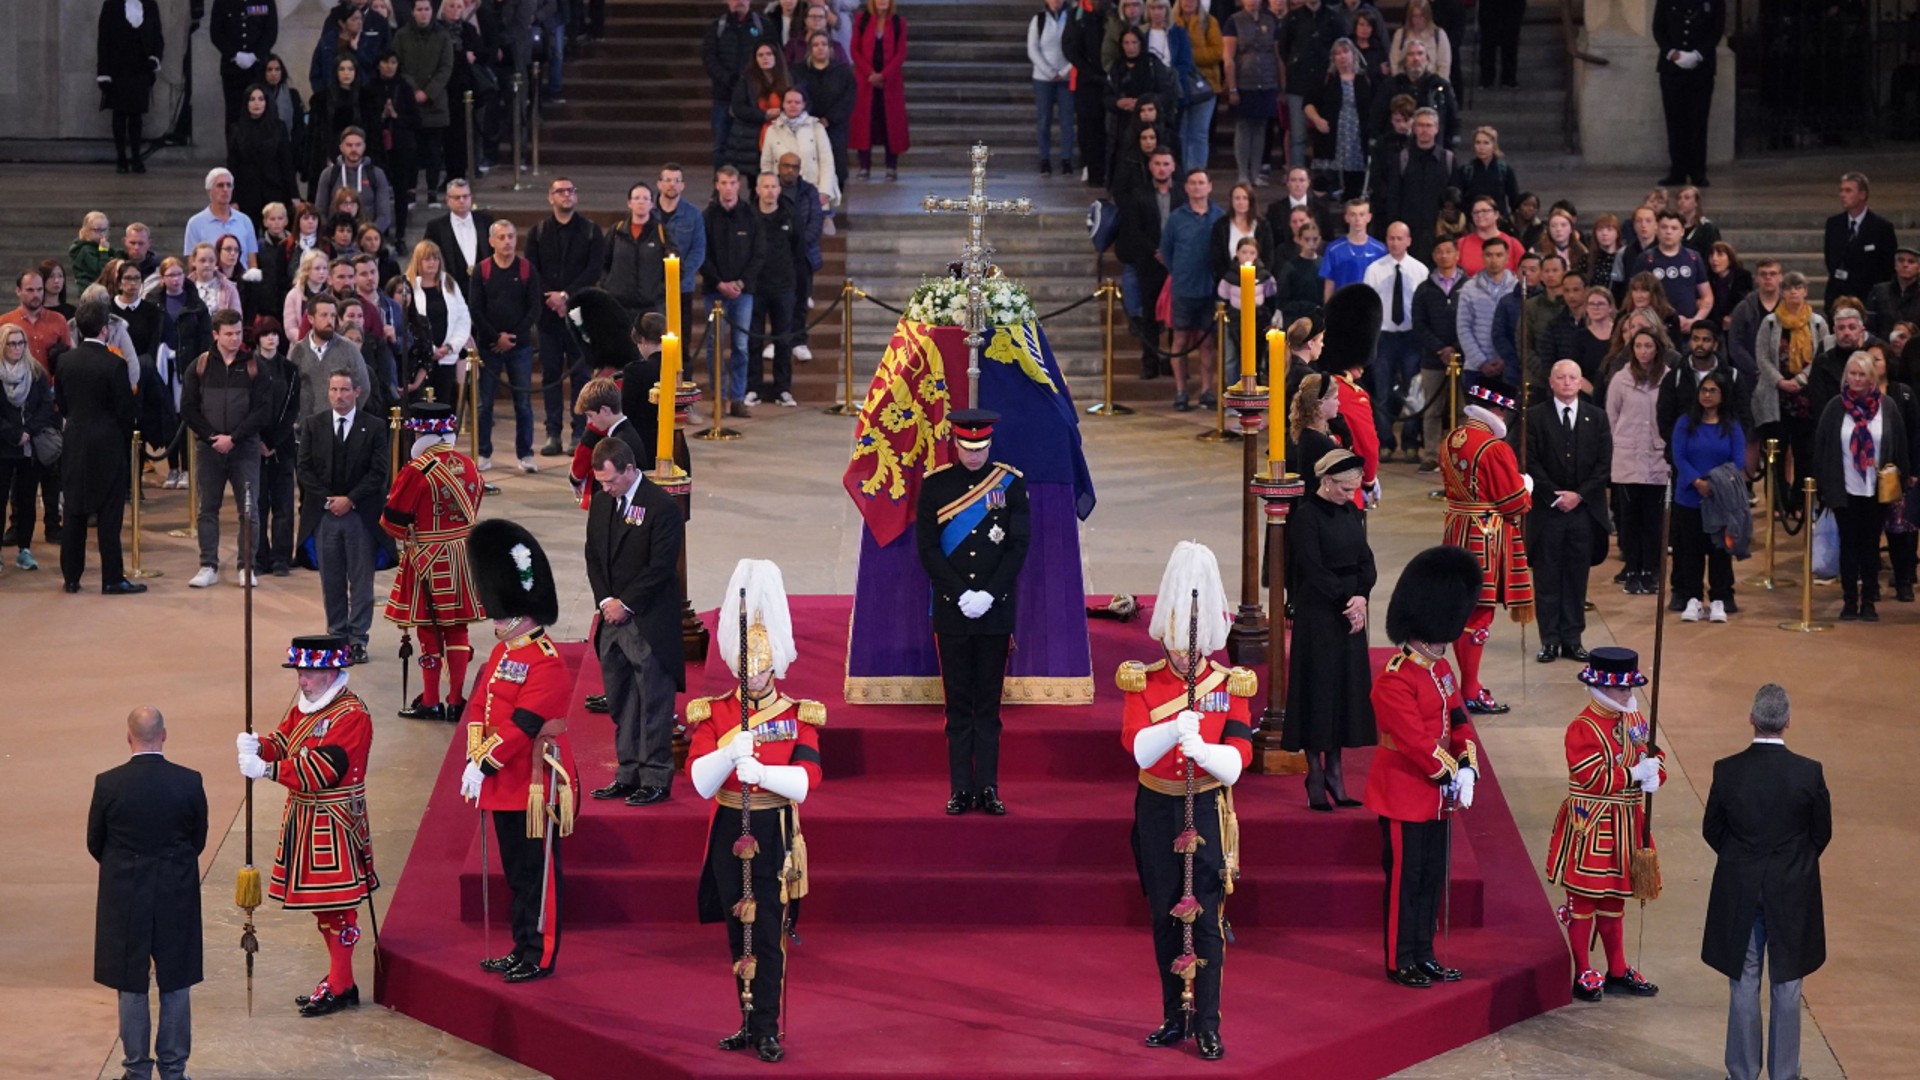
226 401
1419 181
504 298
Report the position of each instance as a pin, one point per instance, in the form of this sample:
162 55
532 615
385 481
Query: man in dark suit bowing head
1569 459
634 536
93 395
343 491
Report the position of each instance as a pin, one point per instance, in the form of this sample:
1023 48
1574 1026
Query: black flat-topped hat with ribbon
1492 397
973 428
431 418
1611 665
319 651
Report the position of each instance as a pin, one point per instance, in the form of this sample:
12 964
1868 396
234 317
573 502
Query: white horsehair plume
766 604
1191 567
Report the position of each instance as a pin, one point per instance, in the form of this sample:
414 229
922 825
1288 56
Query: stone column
1621 121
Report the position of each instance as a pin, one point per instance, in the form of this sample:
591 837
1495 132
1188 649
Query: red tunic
785 732
1356 408
325 858
1486 502
1155 694
1599 823
527 685
435 502
1425 737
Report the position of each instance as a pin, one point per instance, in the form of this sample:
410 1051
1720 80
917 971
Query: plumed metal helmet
769 623
1192 566
1434 597
1353 329
511 573
604 327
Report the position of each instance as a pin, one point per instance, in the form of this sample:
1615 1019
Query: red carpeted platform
947 947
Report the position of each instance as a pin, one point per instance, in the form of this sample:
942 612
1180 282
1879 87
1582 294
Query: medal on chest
785 729
996 534
636 514
997 499
1214 701
513 671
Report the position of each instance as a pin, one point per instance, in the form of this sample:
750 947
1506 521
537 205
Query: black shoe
1485 705
1208 401
739 1040
1588 986
959 802
1903 593
1320 805
615 790
1344 801
72 586
1046 167
9 538
360 654
1675 602
1671 180
1171 1032
417 711
123 168
454 709
527 971
1849 612
1439 972
647 796
139 166
768 1048
1701 181
597 703
989 800
326 1001
1411 977
1574 653
1547 654
500 965
551 448
1867 612
1621 578
119 588
1209 1044
1729 606
1631 983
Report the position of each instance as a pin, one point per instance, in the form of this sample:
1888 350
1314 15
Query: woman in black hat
1328 678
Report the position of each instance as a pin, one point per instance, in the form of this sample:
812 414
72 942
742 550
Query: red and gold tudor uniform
1426 739
526 686
785 732
324 861
1487 500
1155 694
432 508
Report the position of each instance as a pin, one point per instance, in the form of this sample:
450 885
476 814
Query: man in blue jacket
1186 241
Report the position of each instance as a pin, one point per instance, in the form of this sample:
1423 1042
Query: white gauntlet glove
252 274
247 743
1465 780
252 767
749 771
1187 723
1647 774
470 780
740 748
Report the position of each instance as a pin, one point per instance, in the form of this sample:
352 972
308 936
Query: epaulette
548 647
1132 677
939 468
1156 665
1004 467
812 712
1398 659
1242 682
699 709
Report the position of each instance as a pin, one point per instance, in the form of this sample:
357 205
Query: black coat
364 478
1414 191
440 231
1855 265
1136 239
31 415
1436 323
979 562
1326 99
129 57
735 247
1768 819
829 93
1829 452
146 828
639 565
260 156
1583 468
1330 677
334 110
636 268
92 393
783 249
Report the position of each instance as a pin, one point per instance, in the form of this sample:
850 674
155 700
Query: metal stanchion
1219 432
1805 624
192 531
1453 417
716 322
534 114
519 97
467 99
393 441
134 572
473 403
1106 406
1770 579
848 294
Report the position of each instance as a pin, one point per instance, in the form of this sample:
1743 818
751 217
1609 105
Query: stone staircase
1531 119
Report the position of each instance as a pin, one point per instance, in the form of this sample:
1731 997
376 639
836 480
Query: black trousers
561 359
1903 551
1859 522
772 317
973 668
1157 820
273 534
73 536
1561 545
1639 523
1691 551
233 84
523 862
769 920
126 136
1687 99
19 484
1500 40
1090 128
431 148
1414 855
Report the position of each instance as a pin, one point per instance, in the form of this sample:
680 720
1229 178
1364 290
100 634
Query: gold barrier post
393 440
192 531
1770 579
1106 406
848 294
134 572
716 323
1453 418
1219 432
473 404
1805 624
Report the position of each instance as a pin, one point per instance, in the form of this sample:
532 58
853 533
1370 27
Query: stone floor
776 494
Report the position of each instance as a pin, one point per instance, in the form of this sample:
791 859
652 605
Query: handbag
47 444
1889 489
1199 90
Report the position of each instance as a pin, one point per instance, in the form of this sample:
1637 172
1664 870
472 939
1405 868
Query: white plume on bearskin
1192 566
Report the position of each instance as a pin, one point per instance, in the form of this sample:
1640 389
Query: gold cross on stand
976 256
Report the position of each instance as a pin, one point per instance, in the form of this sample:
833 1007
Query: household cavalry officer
431 510
1610 765
324 863
1166 737
971 531
1488 498
1428 761
519 762
756 753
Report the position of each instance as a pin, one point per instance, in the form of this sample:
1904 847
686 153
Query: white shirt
1157 45
1861 483
464 235
1770 742
334 421
1379 278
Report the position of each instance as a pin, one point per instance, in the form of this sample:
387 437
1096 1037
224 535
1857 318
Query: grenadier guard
755 751
1351 338
431 510
324 863
1167 736
519 762
1488 498
1428 761
1610 764
972 531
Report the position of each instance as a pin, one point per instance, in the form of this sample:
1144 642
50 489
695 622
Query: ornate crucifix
976 256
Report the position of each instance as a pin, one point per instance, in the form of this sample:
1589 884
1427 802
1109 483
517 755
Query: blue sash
964 520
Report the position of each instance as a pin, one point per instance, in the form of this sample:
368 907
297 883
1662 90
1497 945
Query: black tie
1566 419
1853 228
619 506
1399 298
343 430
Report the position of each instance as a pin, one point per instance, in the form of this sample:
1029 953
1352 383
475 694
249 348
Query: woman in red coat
879 98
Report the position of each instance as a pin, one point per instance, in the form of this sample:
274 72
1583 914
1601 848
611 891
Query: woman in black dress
126 60
1311 410
1329 679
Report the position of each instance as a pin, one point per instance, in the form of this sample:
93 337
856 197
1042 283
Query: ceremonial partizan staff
432 507
324 863
1488 498
1186 722
756 753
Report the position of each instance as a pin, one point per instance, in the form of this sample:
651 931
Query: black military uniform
1681 27
972 530
242 28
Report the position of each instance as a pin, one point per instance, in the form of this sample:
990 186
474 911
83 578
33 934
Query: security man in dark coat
1768 819
1569 458
972 530
243 32
1859 245
146 828
92 393
1688 32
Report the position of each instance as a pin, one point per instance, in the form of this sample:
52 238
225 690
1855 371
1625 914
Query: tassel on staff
1187 965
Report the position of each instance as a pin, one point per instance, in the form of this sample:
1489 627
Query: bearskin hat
1353 329
511 573
1435 596
605 328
